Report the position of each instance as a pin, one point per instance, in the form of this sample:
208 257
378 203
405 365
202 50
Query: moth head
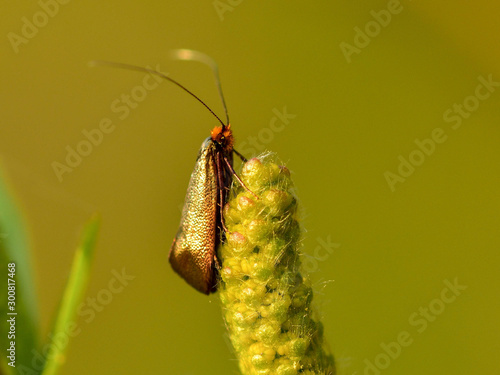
223 136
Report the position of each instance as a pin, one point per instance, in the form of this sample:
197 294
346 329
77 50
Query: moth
201 229
192 254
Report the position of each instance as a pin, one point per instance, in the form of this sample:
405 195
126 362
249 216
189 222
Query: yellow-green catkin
266 300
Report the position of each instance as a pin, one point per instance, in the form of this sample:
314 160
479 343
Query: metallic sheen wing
192 254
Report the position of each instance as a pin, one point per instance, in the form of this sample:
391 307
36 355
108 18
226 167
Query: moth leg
231 169
221 188
218 263
243 159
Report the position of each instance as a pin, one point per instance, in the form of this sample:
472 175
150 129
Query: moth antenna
192 55
136 68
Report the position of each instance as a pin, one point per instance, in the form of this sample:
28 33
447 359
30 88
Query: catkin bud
266 299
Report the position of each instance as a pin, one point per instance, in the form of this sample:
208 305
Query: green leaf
73 293
14 248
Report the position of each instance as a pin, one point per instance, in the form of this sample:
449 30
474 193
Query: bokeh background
355 116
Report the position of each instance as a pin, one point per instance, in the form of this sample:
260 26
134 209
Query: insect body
192 254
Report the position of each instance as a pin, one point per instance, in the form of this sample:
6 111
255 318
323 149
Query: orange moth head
223 136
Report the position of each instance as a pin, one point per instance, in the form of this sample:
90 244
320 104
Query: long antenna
159 74
192 55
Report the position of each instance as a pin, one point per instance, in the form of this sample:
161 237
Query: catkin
266 299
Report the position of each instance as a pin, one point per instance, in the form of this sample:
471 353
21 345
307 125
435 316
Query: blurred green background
395 248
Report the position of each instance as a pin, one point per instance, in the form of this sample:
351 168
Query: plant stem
266 299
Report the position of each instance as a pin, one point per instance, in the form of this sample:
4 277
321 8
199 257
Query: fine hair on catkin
266 299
